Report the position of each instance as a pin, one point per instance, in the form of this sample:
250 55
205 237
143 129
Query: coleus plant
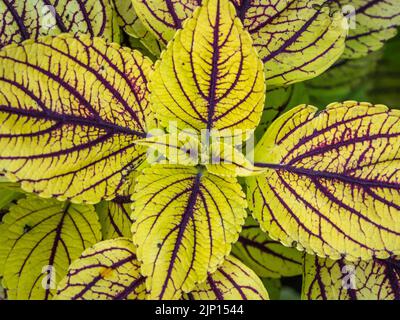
79 117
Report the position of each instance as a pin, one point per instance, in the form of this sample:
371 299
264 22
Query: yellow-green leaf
176 148
333 184
164 18
210 76
7 196
326 279
71 110
4 245
115 218
296 40
6 184
3 293
107 271
232 281
43 237
279 101
227 161
266 257
371 23
219 157
30 19
130 22
185 222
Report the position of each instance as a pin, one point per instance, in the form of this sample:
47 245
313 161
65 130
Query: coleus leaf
115 215
115 218
279 101
71 110
131 24
326 279
342 80
107 271
42 238
232 281
296 40
219 157
371 23
6 184
383 84
333 184
7 196
209 77
30 19
267 258
182 232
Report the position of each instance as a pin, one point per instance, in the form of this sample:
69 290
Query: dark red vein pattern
266 257
232 281
210 76
333 187
43 233
371 22
21 20
184 224
296 39
163 18
326 279
140 37
70 112
107 271
115 218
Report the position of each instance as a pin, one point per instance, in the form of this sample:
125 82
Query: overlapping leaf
267 258
107 271
164 18
371 23
115 218
383 85
43 237
326 279
278 101
185 222
7 196
71 110
131 24
232 281
296 40
210 76
22 20
333 184
343 80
